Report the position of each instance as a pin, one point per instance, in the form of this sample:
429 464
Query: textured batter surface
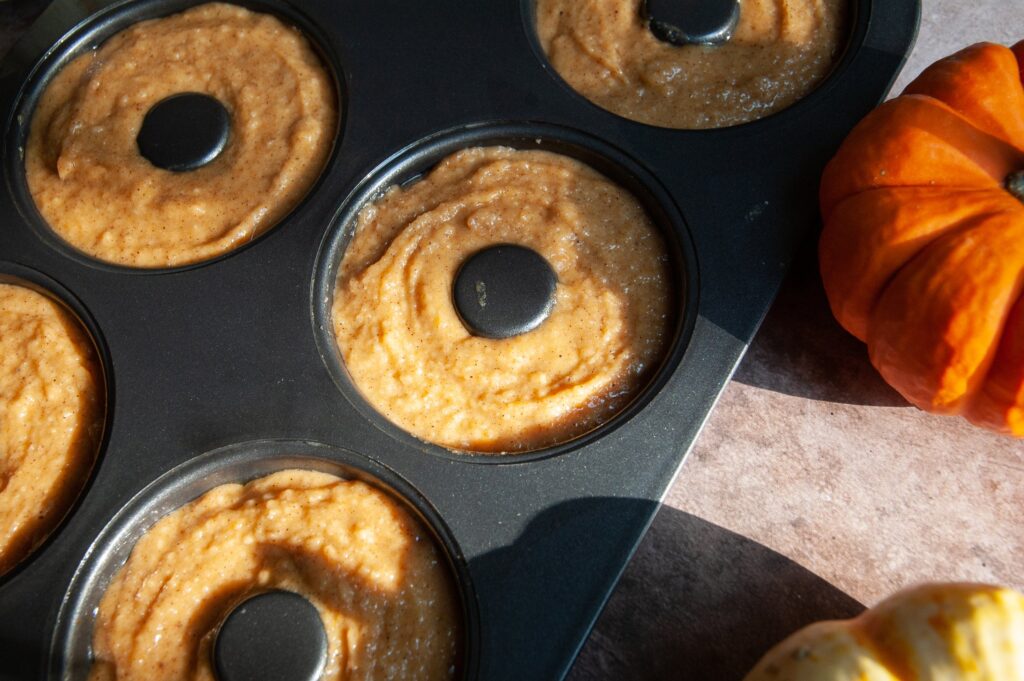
412 358
779 51
52 404
100 194
380 584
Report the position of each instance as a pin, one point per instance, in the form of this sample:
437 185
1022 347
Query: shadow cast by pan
802 350
701 603
696 602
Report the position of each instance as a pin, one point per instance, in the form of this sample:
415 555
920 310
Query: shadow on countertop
696 602
802 350
700 602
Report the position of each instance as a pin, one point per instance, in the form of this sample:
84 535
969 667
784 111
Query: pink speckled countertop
814 489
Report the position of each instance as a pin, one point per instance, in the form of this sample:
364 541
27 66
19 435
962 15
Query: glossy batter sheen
779 51
51 417
100 194
375 575
412 358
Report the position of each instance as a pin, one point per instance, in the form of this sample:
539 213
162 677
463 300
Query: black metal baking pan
225 370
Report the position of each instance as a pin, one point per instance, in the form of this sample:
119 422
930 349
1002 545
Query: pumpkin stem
1014 184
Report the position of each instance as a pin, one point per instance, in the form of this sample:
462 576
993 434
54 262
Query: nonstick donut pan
227 370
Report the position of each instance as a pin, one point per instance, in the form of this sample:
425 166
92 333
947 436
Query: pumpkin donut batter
100 194
779 51
51 417
379 582
410 355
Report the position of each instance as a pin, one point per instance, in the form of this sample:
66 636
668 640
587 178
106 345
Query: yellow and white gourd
935 632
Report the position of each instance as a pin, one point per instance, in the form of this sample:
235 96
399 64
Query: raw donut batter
101 195
410 355
376 576
780 50
51 417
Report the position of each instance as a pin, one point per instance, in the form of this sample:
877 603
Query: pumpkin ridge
887 188
885 150
966 224
982 82
1005 147
866 630
975 410
946 382
842 300
985 368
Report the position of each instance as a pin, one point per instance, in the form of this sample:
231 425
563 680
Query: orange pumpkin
922 253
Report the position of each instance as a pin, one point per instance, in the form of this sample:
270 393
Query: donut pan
226 370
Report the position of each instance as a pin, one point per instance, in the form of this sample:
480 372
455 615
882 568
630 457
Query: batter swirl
375 575
780 50
410 355
101 195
